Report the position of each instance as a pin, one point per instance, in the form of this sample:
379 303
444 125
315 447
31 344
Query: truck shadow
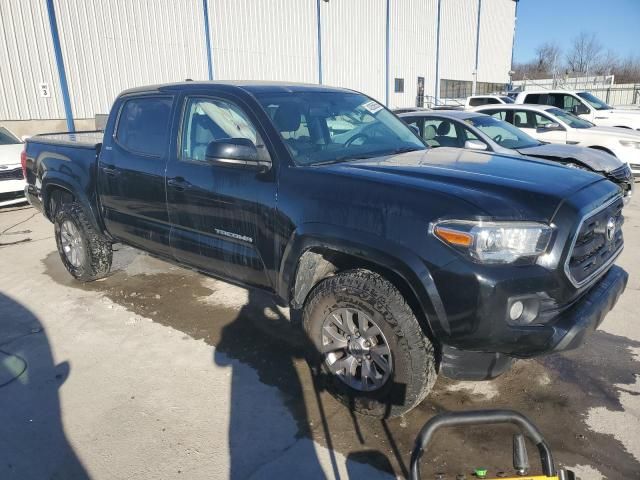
263 441
33 444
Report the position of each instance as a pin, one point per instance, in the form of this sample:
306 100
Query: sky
615 22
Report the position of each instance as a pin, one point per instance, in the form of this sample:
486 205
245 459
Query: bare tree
585 53
607 64
548 57
628 70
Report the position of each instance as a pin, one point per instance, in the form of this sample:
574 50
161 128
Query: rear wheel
85 253
368 343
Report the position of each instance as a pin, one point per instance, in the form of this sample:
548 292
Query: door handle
178 183
110 170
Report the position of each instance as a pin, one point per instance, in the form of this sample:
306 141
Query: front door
131 171
539 126
218 213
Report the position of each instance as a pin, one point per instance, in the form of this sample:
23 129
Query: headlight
494 242
630 143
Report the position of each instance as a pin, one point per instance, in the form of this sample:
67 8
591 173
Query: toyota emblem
611 228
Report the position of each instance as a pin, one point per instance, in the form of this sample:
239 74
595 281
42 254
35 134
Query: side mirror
550 127
235 153
580 109
415 129
475 145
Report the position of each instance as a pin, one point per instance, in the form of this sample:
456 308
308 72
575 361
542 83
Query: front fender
370 249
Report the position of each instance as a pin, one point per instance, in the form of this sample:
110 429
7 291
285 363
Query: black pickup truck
407 262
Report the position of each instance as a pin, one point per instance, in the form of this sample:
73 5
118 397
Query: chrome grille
15 174
597 243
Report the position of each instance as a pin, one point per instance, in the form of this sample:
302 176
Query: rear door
131 172
219 213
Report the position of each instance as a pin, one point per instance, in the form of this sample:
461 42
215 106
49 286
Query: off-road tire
96 261
413 358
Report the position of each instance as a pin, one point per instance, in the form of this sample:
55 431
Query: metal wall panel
412 48
119 44
497 18
112 45
26 60
353 45
459 19
264 40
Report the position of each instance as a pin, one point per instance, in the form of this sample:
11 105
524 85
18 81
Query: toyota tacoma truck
407 262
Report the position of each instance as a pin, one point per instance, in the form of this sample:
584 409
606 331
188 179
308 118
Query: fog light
515 312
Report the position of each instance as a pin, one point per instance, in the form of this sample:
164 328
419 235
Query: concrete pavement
159 372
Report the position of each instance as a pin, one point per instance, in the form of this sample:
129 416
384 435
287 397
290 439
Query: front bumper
587 314
11 192
567 332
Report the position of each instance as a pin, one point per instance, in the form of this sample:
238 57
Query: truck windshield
570 119
503 133
331 127
594 101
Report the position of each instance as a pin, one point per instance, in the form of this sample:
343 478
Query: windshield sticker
372 107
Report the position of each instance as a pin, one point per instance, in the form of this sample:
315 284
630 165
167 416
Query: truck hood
500 186
596 160
627 118
618 133
10 154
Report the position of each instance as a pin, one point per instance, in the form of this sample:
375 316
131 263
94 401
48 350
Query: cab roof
251 86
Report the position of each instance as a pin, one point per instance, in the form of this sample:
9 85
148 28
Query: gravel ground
157 372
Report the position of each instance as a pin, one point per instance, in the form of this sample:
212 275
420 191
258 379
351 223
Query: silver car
476 131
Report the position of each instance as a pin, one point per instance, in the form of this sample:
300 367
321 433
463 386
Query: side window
532 98
569 101
469 135
499 114
207 120
440 133
492 101
143 125
475 102
416 123
542 120
523 119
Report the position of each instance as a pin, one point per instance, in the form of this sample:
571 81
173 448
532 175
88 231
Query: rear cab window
143 125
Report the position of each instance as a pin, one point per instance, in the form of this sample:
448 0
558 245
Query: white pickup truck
584 105
479 100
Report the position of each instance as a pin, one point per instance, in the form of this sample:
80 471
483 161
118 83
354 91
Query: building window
399 85
487 88
464 88
455 88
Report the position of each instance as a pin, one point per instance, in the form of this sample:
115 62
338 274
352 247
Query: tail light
23 161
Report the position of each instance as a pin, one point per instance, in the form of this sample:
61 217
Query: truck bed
88 139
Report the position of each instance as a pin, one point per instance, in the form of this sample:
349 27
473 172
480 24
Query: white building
64 61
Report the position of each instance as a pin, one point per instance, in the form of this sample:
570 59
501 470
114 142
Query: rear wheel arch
54 197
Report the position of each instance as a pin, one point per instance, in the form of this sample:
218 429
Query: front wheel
369 344
85 253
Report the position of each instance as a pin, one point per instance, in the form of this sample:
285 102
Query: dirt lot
158 372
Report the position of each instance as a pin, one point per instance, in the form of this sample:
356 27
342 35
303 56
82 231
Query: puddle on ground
556 392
